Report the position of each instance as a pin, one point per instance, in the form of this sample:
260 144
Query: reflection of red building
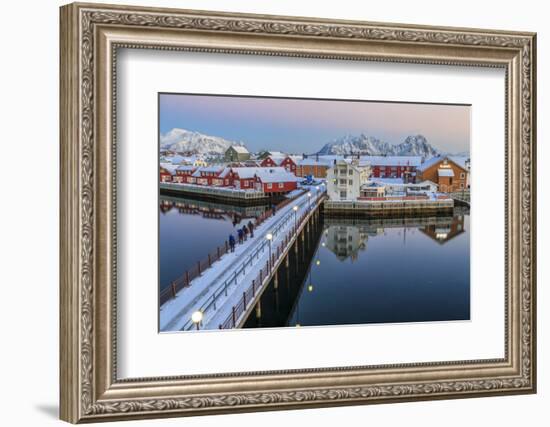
446 230
166 205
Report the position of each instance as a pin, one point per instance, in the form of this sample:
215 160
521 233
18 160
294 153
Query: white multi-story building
343 181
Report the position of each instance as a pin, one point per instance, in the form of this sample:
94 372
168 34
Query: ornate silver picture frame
91 35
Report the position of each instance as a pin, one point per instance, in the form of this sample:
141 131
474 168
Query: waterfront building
392 166
448 172
207 175
276 180
167 172
184 174
314 166
286 161
343 181
237 153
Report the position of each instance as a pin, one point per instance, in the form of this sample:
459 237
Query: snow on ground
176 313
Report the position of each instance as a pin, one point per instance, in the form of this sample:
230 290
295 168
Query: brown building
314 167
449 175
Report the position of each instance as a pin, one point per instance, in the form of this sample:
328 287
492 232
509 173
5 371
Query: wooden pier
381 208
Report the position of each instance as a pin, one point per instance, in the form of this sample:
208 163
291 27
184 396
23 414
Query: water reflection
190 229
375 271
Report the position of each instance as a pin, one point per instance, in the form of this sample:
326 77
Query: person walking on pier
251 228
245 232
240 234
232 242
273 209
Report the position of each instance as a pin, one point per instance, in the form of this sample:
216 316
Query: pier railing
185 280
223 289
249 294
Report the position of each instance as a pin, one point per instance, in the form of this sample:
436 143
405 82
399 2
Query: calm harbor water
190 229
349 271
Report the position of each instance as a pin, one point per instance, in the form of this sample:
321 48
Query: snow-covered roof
311 161
460 161
445 172
295 158
276 175
241 149
176 160
390 160
328 158
186 168
169 167
388 181
277 154
430 162
224 173
427 182
215 169
247 172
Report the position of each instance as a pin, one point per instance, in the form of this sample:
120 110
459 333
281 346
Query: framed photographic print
265 212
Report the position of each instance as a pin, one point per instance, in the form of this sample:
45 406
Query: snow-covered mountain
189 142
414 145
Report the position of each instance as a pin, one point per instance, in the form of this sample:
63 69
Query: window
245 184
281 185
462 175
342 182
343 194
350 172
269 185
350 182
461 185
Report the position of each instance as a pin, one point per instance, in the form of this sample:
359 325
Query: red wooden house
208 175
167 172
275 180
184 174
243 178
284 161
392 166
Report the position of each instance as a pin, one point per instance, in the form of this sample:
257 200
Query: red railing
184 281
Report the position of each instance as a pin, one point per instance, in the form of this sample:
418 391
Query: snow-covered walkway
219 288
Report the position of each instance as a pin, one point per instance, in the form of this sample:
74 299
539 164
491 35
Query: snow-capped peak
190 142
414 145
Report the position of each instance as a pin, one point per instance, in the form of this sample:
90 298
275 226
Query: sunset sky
305 125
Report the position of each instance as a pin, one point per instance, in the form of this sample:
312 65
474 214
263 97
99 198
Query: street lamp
295 209
309 200
269 238
196 317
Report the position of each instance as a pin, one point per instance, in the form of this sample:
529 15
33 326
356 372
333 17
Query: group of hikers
242 235
244 232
